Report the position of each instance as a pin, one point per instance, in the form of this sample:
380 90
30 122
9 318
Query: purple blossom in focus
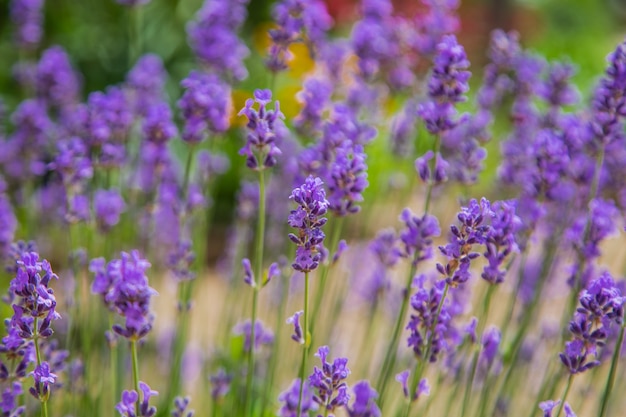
214 39
127 406
307 218
331 390
500 239
43 380
261 149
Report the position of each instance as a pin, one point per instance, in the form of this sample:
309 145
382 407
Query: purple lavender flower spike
108 206
417 235
126 407
364 404
44 379
205 106
548 406
568 411
8 223
329 381
145 409
262 335
291 398
298 335
491 344
500 240
180 260
248 274
574 357
158 126
307 218
57 83
180 407
315 98
214 39
440 19
220 382
8 404
146 82
260 149
28 18
422 388
347 179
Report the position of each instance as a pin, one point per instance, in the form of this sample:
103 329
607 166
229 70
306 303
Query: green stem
44 402
133 353
390 354
114 368
567 387
610 382
260 235
307 340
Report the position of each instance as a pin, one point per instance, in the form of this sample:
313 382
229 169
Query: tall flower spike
260 149
364 404
307 218
417 235
329 381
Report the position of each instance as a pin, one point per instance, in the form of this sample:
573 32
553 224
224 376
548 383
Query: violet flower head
331 390
205 106
180 259
57 83
473 229
298 334
384 247
364 404
557 90
146 82
307 218
500 240
214 39
491 344
73 164
425 304
8 403
602 300
435 176
28 19
8 223
347 179
124 285
220 382
574 357
262 335
440 19
315 97
548 406
127 407
44 379
291 398
417 236
586 238
180 407
158 126
260 149
422 388
108 206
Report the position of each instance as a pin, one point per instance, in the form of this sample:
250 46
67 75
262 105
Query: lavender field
300 208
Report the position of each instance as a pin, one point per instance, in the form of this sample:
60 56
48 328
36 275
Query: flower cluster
601 304
347 179
28 17
329 381
128 406
124 287
260 149
307 218
364 404
500 240
417 235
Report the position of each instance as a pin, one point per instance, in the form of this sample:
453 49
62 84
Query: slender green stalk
44 403
114 355
567 387
610 382
390 354
260 235
133 353
307 340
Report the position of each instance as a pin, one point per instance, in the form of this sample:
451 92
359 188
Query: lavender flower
146 82
108 205
127 407
8 222
298 335
422 387
291 397
221 384
439 20
8 404
180 407
205 106
57 83
180 259
213 37
158 127
262 335
347 179
44 379
27 16
260 149
307 218
329 381
364 404
417 235
315 97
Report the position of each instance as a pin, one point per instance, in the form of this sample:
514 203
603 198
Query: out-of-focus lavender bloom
8 222
347 179
557 90
422 387
158 126
291 398
403 130
315 97
206 106
220 382
422 166
28 19
124 285
127 407
601 224
364 404
154 162
43 380
424 316
548 406
307 218
329 381
262 335
500 239
260 149
180 407
491 343
73 164
57 83
8 403
180 259
146 82
297 21
473 230
462 150
214 39
108 206
439 20
417 235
